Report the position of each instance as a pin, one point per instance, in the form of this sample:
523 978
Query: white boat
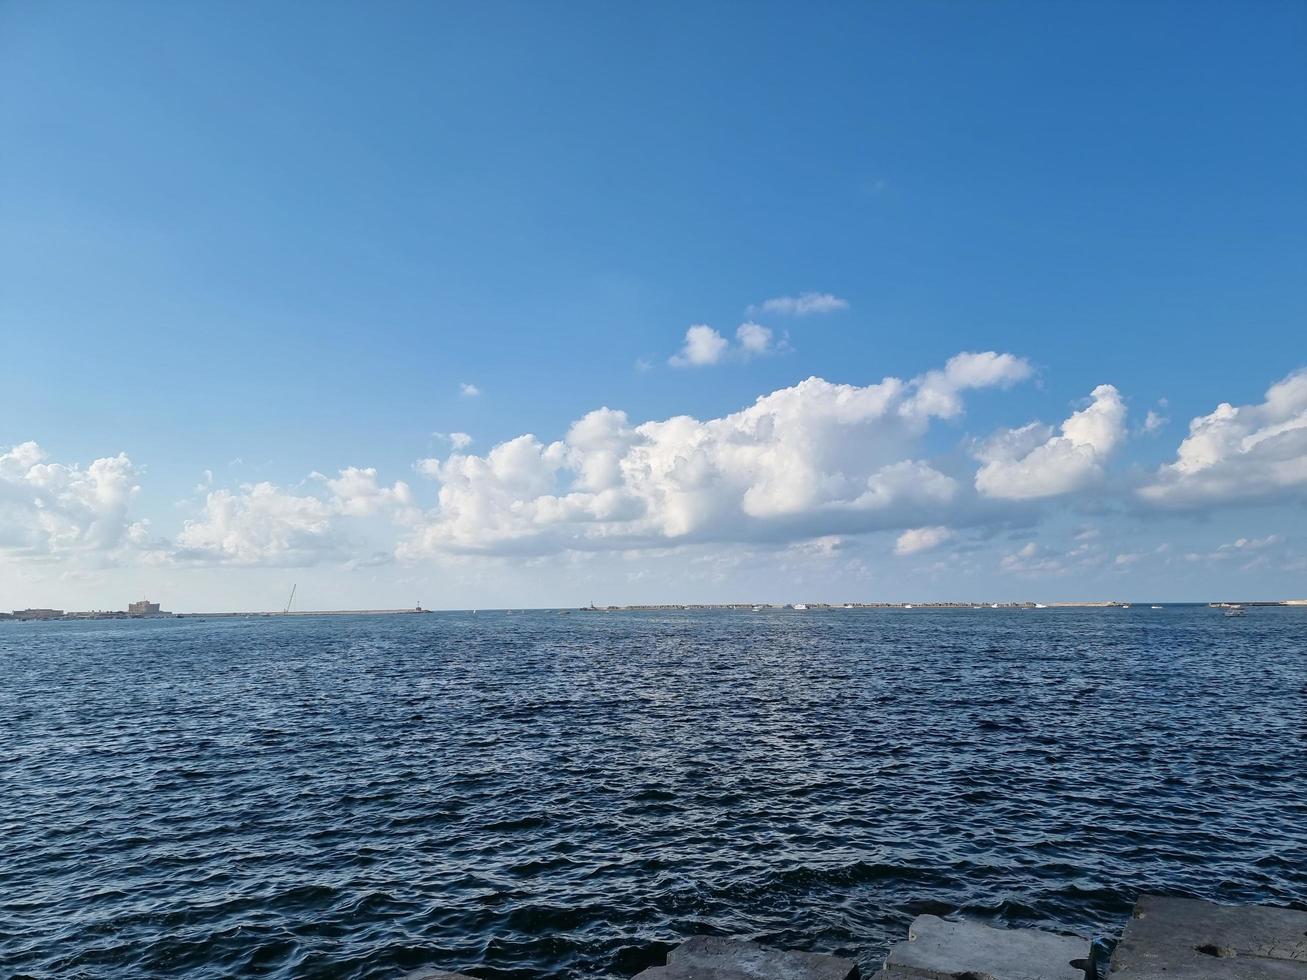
800 606
1154 607
907 605
1234 611
1040 605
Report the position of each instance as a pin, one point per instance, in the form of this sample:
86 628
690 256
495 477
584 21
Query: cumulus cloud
804 304
356 492
919 539
49 508
703 346
811 460
1031 462
754 339
263 524
259 524
1240 454
469 390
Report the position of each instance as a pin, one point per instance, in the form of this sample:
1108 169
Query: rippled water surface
537 795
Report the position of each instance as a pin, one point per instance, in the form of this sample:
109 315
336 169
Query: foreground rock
712 958
431 973
938 949
1184 939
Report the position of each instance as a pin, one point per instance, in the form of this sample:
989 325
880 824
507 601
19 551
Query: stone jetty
1183 939
711 958
939 948
1165 939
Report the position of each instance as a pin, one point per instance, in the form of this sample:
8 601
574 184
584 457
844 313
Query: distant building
143 608
38 614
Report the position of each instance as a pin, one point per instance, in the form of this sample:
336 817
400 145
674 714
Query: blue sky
245 245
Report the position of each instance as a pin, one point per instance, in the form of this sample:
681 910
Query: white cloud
1031 463
938 392
754 339
1240 454
1030 559
1252 544
804 304
458 440
1247 553
1154 421
259 524
469 390
49 509
356 492
1238 548
811 460
263 524
703 346
919 539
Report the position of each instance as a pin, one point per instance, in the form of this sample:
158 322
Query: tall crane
286 611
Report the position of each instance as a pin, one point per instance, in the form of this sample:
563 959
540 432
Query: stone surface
938 949
1185 939
714 958
431 973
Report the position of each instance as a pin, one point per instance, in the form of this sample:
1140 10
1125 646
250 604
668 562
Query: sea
536 795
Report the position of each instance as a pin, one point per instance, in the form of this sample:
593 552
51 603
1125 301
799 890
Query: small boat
907 605
800 606
1233 612
1040 605
1154 607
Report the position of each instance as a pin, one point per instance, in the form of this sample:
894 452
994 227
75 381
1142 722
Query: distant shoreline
52 615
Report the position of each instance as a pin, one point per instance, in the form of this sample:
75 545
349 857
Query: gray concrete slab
1249 930
431 973
1180 939
939 949
715 958
685 971
1194 966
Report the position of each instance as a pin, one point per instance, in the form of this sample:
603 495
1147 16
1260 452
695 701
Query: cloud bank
814 459
799 472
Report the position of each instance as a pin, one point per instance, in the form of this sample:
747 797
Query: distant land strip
46 615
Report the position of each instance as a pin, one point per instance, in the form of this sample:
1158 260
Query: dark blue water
537 795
